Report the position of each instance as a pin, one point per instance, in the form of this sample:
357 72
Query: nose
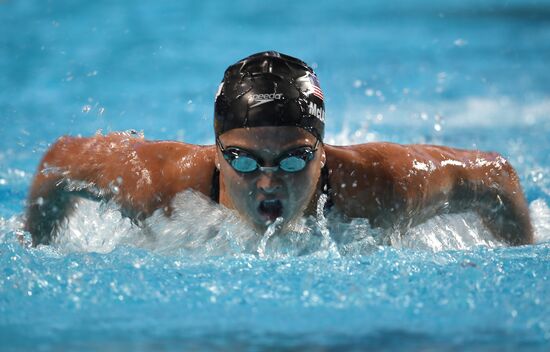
267 182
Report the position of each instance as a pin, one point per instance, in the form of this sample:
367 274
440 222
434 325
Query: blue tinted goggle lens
293 163
244 164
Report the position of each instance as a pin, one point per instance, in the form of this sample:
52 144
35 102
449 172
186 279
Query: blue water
471 74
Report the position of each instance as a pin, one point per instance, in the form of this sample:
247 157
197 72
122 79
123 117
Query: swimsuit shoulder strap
215 189
325 187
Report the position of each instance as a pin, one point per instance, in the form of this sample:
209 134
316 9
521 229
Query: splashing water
100 227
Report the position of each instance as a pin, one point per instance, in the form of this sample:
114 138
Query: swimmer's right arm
399 186
141 176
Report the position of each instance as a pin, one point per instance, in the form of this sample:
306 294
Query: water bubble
460 42
115 189
86 109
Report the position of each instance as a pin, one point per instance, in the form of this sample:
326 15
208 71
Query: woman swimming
270 162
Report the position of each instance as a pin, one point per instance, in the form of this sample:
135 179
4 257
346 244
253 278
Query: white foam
449 231
198 227
540 215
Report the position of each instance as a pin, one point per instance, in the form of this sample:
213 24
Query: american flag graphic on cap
316 87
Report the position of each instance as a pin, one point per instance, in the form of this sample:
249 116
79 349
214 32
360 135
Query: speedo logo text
259 99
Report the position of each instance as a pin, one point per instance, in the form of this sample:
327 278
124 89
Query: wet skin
247 192
393 186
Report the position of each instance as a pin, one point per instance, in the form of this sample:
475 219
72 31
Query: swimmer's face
262 196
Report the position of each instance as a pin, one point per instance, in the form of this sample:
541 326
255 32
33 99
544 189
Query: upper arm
394 182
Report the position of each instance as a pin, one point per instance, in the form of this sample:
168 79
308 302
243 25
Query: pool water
469 74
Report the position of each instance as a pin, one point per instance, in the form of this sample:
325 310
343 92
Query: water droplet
114 189
86 108
460 42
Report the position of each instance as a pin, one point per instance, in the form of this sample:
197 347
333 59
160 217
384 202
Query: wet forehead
268 141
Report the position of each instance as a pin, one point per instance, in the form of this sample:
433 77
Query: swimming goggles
246 162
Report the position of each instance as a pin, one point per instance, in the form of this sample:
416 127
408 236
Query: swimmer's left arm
140 176
400 185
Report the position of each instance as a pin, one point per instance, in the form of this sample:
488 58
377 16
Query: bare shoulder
181 165
129 147
367 156
380 181
363 179
147 172
400 155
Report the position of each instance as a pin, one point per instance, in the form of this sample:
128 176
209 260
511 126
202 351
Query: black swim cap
270 89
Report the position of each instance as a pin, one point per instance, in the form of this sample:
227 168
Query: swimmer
269 161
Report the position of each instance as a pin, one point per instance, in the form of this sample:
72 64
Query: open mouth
271 209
